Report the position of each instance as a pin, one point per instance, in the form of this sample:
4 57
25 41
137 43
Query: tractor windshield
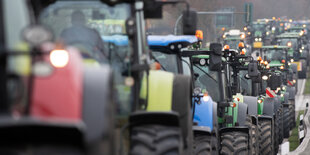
232 43
168 62
207 80
259 27
97 29
285 41
275 54
99 32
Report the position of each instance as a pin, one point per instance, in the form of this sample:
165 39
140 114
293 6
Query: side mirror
35 35
153 9
215 61
253 69
189 22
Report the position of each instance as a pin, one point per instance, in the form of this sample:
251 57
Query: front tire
156 139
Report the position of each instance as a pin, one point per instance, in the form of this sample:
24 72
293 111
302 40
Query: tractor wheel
253 135
234 143
265 137
214 145
292 116
286 124
203 144
156 139
280 120
276 133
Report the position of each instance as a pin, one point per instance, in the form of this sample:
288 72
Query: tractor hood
157 40
119 40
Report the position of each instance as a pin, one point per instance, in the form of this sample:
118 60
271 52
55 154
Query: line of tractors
83 77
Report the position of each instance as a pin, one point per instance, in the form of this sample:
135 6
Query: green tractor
279 61
300 54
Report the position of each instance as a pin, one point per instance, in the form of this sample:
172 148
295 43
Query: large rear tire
292 116
286 125
203 144
253 130
156 139
265 137
235 142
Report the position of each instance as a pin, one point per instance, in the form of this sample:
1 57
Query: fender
242 113
236 128
50 97
277 103
292 92
286 96
145 117
251 101
268 108
98 103
204 113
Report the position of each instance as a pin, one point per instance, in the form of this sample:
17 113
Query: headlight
259 39
294 81
59 58
283 88
265 77
267 33
302 47
282 95
300 51
256 39
292 60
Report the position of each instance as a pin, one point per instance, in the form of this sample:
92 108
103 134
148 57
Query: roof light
259 58
281 24
249 33
282 67
300 51
283 61
289 44
304 25
243 51
268 66
273 18
206 97
294 81
223 28
59 58
267 33
242 36
199 34
226 47
241 45
290 20
301 33
224 36
302 47
283 88
245 28
266 63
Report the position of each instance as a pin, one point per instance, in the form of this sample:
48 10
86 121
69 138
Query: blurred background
213 23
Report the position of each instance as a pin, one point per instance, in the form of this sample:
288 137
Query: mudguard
181 102
145 117
286 96
292 92
251 101
205 113
236 128
98 106
242 113
277 103
268 107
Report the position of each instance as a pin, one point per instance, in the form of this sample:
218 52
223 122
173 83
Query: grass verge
307 86
294 139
